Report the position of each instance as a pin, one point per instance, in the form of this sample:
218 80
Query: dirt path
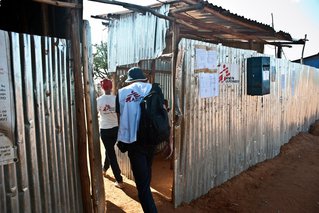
287 183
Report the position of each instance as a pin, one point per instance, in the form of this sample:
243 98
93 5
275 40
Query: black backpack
154 123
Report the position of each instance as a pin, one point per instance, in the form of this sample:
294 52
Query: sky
296 17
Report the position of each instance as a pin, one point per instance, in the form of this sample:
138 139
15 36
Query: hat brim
134 80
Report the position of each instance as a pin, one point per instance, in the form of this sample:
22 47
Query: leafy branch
100 66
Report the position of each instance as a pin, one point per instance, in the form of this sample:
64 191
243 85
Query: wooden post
45 19
175 40
303 49
279 51
98 194
115 83
80 115
152 79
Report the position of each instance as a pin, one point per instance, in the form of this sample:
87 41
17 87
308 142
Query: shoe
119 185
104 173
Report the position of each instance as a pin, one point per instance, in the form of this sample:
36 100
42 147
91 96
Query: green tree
100 67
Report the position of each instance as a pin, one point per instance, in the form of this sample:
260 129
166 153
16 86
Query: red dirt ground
286 183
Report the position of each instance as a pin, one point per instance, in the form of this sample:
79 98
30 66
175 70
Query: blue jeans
141 163
109 137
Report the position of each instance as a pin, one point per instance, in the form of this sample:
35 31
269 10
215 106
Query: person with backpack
108 124
132 135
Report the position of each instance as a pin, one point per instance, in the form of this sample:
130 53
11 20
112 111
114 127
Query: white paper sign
212 59
266 74
205 59
201 58
6 103
208 85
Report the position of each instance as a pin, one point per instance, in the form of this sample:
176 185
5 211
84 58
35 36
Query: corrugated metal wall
134 36
163 77
223 136
45 177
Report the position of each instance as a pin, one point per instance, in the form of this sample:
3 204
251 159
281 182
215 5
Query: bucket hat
135 74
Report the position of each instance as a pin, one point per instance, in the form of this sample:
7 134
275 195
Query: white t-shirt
106 109
130 98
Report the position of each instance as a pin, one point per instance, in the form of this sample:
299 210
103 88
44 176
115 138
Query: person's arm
117 108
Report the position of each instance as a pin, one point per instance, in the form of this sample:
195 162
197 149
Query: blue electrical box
258 76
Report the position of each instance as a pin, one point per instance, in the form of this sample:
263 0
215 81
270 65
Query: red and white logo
133 96
224 74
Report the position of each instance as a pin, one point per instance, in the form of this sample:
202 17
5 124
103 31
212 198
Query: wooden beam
80 114
212 26
101 17
97 183
45 19
201 32
302 42
152 74
175 41
211 39
187 24
303 49
60 4
197 6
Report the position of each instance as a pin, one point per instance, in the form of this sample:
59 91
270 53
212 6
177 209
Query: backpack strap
156 89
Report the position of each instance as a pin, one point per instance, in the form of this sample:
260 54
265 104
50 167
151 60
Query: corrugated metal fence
136 36
45 177
219 137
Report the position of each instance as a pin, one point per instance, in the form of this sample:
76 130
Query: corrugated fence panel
224 135
73 169
8 190
45 177
51 134
30 124
163 77
40 123
145 40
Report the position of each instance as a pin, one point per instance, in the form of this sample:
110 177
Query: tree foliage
100 66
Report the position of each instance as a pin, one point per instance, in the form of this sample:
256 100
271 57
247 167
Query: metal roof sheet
204 21
218 25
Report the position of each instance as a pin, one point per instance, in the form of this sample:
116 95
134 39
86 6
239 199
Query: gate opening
162 174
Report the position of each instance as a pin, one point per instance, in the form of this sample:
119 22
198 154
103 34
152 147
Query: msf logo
132 97
106 108
224 74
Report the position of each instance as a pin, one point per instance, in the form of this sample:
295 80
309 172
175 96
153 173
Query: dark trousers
109 137
141 163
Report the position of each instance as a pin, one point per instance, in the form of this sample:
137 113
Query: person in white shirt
108 124
128 108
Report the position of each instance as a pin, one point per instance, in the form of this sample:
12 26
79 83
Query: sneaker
119 185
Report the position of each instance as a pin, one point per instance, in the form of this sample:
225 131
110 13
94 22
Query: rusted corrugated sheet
133 37
224 135
45 177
